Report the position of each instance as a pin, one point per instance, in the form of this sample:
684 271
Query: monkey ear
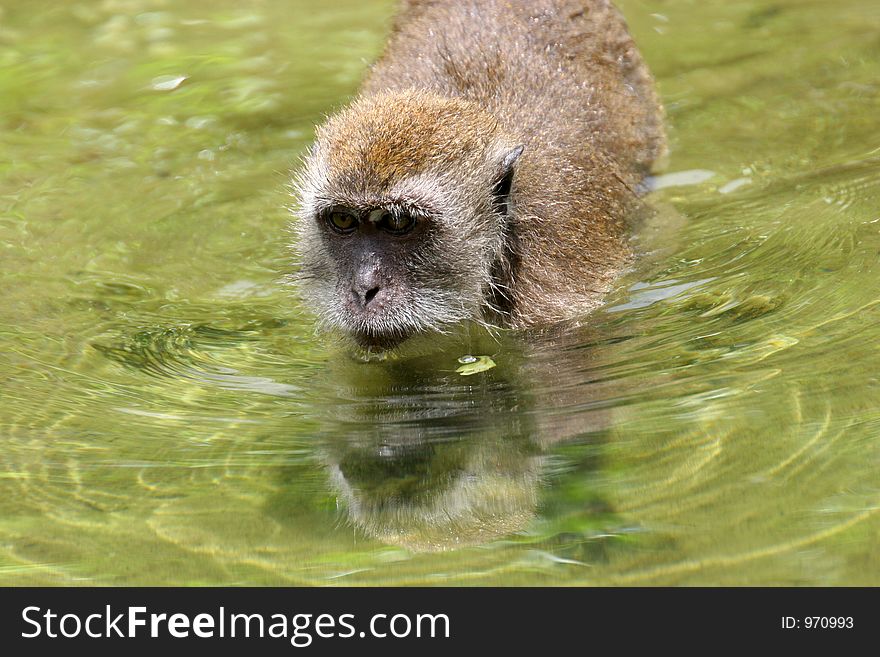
504 180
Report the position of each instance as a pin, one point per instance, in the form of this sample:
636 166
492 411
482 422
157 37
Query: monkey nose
365 294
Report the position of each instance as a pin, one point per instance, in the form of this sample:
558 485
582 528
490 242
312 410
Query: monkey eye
342 222
396 224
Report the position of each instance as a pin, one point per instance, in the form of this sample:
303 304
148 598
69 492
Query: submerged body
485 171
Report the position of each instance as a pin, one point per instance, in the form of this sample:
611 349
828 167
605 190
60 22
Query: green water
168 415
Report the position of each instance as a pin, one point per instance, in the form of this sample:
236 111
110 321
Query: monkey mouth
376 341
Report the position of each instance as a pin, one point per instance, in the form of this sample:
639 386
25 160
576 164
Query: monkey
485 172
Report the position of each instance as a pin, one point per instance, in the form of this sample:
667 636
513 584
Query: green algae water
169 416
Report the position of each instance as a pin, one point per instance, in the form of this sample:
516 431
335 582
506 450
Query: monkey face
386 269
389 275
402 217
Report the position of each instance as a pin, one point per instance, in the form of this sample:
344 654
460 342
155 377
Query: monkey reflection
435 495
423 458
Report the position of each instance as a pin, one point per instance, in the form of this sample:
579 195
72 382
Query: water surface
168 415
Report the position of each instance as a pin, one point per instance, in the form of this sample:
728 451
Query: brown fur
460 83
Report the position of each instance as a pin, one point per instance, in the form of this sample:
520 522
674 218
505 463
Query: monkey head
402 216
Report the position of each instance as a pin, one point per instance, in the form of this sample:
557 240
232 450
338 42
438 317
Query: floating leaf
474 364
